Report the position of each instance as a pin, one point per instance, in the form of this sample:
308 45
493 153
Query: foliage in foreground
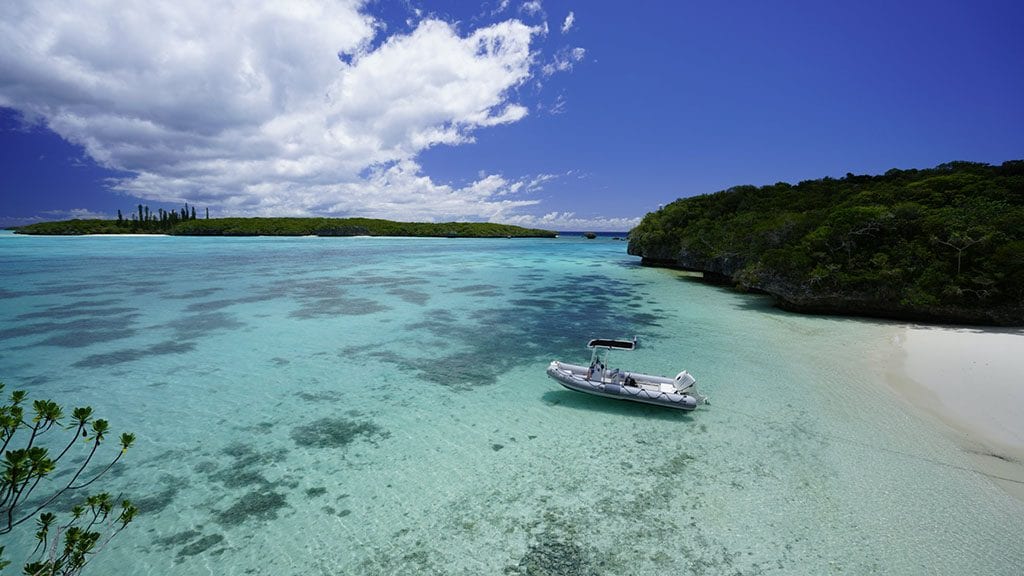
64 547
941 243
287 227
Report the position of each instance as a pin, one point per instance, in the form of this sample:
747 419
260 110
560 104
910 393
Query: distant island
944 244
186 224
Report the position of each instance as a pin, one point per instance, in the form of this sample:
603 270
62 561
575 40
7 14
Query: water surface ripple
379 406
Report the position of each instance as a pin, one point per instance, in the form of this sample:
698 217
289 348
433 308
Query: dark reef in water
336 432
257 504
556 557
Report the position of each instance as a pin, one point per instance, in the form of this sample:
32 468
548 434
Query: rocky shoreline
802 299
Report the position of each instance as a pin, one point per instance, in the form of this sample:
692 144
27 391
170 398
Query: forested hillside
942 244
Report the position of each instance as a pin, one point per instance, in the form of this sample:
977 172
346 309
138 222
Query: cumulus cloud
568 23
303 107
490 198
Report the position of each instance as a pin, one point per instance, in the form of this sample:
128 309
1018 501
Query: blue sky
562 115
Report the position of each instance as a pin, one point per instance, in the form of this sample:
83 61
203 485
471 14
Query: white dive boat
679 392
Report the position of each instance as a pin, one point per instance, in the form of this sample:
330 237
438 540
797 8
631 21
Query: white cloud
79 213
537 182
564 60
569 21
571 221
422 199
12 221
556 107
533 8
255 108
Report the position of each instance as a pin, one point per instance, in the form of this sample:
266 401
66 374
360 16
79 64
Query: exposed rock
794 297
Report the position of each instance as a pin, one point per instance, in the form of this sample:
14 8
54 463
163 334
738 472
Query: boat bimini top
613 344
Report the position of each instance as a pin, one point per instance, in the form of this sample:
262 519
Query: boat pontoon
599 379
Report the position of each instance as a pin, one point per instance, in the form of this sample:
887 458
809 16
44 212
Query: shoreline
115 235
838 307
968 379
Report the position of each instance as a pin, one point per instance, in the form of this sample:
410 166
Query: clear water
379 406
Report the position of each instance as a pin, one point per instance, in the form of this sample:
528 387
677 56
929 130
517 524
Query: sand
972 381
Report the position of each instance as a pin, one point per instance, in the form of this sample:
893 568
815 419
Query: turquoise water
379 406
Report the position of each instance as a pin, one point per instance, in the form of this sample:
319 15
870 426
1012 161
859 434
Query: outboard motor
684 380
684 383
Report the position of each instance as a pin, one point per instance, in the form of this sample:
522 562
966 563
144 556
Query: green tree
63 547
934 244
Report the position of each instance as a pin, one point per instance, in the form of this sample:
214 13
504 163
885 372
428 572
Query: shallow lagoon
379 406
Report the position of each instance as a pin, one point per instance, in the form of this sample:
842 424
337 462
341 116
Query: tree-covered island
944 244
185 223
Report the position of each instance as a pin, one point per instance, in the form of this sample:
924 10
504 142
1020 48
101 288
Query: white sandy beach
972 380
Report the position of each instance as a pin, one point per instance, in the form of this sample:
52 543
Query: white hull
632 386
